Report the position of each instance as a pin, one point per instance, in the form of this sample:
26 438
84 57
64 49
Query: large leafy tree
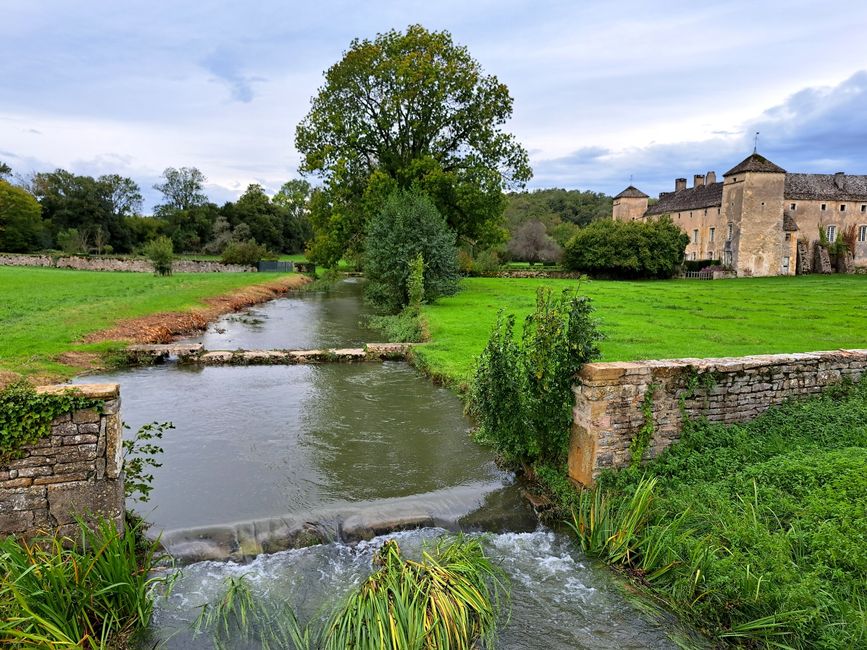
20 220
408 109
182 189
98 207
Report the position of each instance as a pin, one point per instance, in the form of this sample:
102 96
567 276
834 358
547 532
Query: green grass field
663 319
43 312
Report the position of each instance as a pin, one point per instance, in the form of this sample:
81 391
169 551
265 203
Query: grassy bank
45 312
663 319
755 533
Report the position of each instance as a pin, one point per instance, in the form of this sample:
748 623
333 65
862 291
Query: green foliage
450 599
20 220
407 109
72 242
627 249
415 281
408 225
556 206
522 395
160 252
239 615
756 532
139 457
91 592
244 252
25 415
530 243
406 327
182 189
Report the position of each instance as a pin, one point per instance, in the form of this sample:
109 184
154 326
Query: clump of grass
452 598
91 592
240 616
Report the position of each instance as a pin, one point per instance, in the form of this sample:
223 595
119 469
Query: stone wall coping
91 391
615 369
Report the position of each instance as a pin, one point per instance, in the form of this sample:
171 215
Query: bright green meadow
662 319
43 312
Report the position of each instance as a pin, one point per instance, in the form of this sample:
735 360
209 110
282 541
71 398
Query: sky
605 93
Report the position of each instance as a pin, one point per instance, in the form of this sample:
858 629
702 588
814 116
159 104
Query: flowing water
267 458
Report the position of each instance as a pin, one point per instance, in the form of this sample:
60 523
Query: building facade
754 219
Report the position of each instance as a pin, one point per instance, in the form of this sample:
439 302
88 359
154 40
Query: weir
195 353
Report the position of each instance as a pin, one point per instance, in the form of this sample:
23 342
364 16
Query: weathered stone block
65 501
85 416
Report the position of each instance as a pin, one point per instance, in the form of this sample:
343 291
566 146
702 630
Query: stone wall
610 398
74 471
83 263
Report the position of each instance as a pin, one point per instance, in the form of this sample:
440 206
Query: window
695 236
711 235
730 232
788 236
842 207
832 233
863 207
824 207
862 233
793 206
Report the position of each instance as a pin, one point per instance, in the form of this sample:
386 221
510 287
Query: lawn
43 312
663 319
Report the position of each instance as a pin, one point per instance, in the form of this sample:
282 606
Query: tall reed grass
90 592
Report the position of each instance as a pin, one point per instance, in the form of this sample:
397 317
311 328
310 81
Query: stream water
263 456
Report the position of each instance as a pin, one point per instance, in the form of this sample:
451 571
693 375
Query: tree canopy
20 220
182 189
408 109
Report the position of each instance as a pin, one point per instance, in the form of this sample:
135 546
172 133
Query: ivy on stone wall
26 416
642 439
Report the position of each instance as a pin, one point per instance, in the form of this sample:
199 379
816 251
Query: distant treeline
61 210
82 214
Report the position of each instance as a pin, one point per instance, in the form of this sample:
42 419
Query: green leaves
415 108
522 394
25 415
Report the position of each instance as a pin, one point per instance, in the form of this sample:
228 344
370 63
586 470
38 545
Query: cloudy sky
604 91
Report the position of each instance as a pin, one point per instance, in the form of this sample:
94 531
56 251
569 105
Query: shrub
522 395
160 252
244 252
486 262
72 242
700 265
530 243
627 249
408 225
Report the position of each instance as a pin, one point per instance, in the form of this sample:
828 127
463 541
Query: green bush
160 252
627 249
522 395
408 225
244 252
21 225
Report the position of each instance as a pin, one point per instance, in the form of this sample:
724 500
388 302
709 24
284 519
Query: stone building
759 218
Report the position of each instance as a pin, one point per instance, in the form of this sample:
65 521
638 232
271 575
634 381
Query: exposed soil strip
167 326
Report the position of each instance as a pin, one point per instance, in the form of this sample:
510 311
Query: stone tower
629 205
752 210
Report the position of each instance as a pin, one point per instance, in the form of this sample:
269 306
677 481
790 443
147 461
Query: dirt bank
167 326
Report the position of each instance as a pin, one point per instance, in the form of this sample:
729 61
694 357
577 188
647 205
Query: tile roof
755 163
631 192
693 198
831 187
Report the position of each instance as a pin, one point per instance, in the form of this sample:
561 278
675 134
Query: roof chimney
710 178
697 180
838 180
679 184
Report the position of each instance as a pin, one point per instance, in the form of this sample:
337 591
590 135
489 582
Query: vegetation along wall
76 470
82 263
630 410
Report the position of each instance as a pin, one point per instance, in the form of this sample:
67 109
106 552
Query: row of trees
83 214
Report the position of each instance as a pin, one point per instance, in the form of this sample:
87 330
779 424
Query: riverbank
659 319
58 323
756 533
